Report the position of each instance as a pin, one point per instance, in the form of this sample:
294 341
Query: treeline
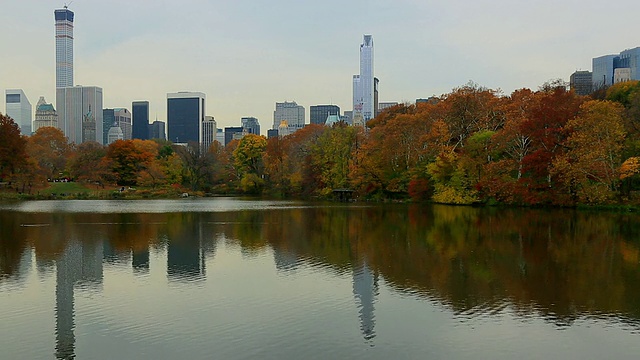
473 145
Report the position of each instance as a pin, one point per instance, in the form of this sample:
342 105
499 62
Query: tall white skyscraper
19 109
209 132
64 47
364 83
80 113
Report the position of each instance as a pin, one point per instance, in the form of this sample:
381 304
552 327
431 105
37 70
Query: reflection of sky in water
151 206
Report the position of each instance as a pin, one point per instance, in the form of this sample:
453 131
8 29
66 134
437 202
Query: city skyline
245 62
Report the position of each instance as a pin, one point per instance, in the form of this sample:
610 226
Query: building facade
209 131
581 82
292 113
251 125
623 67
230 133
119 117
157 130
220 136
19 109
318 113
46 115
185 115
385 105
64 47
140 120
364 84
80 113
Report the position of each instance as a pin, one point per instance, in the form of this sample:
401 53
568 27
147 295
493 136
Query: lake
230 278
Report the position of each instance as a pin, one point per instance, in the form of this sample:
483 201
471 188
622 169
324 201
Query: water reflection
558 265
365 290
80 264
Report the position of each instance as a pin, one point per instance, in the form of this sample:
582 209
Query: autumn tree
331 156
590 169
50 148
128 157
196 165
12 147
248 161
544 124
88 163
276 161
471 108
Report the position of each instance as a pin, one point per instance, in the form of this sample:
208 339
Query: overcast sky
245 55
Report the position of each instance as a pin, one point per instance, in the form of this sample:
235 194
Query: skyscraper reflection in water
185 254
365 291
80 264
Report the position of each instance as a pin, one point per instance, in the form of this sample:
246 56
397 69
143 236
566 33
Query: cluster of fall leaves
472 145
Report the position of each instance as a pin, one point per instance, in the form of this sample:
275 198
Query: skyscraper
80 113
290 112
185 114
364 83
318 113
64 47
19 109
209 131
251 125
156 130
140 118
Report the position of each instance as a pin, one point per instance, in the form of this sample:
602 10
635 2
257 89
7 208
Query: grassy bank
74 190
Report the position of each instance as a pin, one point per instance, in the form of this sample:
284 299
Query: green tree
248 155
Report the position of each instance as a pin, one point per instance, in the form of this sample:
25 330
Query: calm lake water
239 279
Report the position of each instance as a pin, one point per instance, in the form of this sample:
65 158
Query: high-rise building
121 118
364 84
185 114
357 94
220 136
157 130
376 106
19 109
140 120
209 131
622 67
581 82
64 47
318 113
251 125
292 113
80 113
230 133
45 115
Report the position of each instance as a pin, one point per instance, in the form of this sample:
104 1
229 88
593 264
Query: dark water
237 279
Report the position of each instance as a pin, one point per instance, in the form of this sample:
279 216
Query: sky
246 55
